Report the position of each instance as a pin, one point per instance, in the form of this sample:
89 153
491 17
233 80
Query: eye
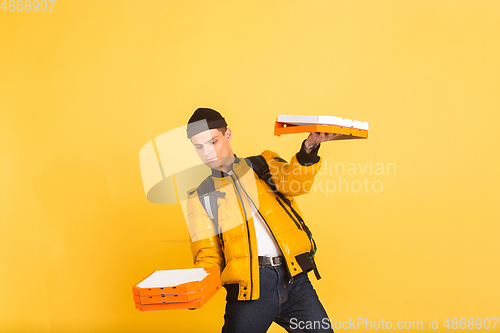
213 142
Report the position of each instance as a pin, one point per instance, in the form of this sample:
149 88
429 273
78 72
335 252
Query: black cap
212 118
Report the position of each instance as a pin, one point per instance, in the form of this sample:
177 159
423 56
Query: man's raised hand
315 138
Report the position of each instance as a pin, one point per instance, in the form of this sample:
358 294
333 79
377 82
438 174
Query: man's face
213 147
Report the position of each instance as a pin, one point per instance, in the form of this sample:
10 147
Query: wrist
305 157
310 145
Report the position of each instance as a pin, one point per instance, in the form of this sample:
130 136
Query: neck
226 164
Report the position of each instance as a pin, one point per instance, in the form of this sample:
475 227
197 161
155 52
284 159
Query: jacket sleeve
297 177
206 246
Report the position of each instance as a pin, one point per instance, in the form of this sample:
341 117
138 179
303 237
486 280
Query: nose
209 151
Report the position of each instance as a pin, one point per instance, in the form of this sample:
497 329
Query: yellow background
83 87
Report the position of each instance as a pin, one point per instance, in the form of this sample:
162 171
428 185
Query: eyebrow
214 137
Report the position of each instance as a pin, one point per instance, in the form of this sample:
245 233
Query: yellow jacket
232 245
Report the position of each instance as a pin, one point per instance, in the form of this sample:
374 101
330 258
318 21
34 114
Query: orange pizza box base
194 304
348 132
155 299
189 287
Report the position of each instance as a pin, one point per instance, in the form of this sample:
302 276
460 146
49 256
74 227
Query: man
255 236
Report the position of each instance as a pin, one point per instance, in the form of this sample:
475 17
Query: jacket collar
222 174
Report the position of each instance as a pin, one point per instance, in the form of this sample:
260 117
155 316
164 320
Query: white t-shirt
266 245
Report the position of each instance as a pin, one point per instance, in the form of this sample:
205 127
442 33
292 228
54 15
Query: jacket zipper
294 220
263 219
248 233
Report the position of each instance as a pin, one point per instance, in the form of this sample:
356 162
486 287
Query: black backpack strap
261 168
205 194
208 199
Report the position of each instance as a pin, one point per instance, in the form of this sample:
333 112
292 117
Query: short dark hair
222 130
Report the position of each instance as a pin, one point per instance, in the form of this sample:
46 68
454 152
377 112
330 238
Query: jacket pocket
305 262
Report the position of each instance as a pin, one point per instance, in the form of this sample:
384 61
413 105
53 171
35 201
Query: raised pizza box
350 129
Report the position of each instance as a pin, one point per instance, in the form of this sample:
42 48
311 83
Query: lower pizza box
177 289
193 304
178 281
170 298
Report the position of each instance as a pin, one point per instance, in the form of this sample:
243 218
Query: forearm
207 253
296 177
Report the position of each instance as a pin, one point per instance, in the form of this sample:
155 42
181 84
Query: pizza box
191 305
177 289
350 129
172 298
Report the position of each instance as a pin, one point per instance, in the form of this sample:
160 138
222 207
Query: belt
270 261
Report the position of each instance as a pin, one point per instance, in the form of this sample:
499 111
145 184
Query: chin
213 164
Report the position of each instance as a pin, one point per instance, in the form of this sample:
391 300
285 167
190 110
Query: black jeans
295 306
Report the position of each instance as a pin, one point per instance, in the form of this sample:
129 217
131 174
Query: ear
228 134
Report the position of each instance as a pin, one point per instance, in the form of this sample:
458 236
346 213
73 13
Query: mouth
211 159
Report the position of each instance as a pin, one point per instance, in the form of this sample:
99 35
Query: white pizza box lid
322 120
